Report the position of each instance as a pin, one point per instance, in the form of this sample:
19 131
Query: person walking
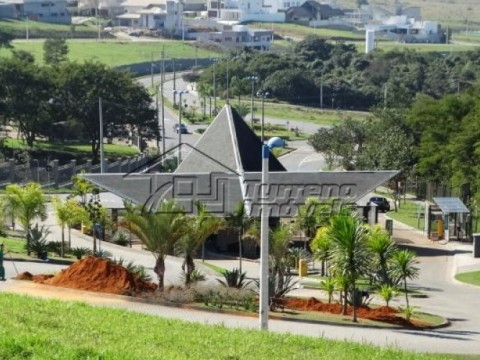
2 269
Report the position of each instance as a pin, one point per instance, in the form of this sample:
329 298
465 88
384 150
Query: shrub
79 252
234 279
38 241
387 292
121 238
55 247
195 277
105 254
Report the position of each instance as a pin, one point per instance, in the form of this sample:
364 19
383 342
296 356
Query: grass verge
213 267
40 329
111 150
409 213
114 52
472 277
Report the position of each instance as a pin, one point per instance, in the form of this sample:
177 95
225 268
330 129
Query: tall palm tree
321 246
279 244
240 221
383 248
197 230
349 255
31 204
404 267
157 231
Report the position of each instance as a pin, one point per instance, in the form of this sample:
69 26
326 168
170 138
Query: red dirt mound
100 275
382 313
24 276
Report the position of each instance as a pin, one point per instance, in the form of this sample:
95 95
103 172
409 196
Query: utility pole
98 21
214 85
100 118
321 91
174 82
385 93
263 313
228 85
252 78
151 71
162 80
26 33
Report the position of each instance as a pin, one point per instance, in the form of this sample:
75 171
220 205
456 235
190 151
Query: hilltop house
52 11
237 36
164 15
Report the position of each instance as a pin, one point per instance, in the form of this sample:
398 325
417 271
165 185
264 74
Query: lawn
114 52
42 29
41 329
111 150
408 213
469 277
14 245
299 31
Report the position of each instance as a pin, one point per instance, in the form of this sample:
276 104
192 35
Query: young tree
321 246
349 255
197 230
404 267
239 221
55 51
280 240
158 232
31 204
383 248
69 212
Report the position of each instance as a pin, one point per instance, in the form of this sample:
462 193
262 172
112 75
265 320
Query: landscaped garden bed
105 276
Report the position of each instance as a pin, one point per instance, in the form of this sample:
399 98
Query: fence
55 175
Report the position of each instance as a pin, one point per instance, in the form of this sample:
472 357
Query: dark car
183 128
382 203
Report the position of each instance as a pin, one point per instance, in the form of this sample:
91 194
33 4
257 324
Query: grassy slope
408 214
42 329
114 52
21 25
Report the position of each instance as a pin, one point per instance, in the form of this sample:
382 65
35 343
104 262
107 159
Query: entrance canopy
450 205
224 168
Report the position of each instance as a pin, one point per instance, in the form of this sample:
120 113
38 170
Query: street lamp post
179 129
253 79
264 95
174 82
264 208
214 85
100 118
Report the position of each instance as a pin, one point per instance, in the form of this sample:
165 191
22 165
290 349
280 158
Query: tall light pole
252 78
264 208
264 95
174 82
162 80
179 129
214 85
321 91
100 118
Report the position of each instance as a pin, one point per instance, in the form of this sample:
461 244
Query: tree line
346 78
59 101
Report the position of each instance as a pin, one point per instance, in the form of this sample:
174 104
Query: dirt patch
382 313
95 274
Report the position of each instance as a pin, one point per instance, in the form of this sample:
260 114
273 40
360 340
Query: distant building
312 13
163 15
237 36
404 29
243 10
51 11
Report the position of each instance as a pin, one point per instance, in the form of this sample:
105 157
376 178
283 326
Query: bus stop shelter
446 219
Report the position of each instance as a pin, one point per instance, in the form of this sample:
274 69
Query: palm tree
30 204
403 267
68 213
197 230
349 255
9 205
279 245
157 231
311 215
383 248
240 221
320 246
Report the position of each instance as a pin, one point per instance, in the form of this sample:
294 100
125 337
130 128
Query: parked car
383 205
183 128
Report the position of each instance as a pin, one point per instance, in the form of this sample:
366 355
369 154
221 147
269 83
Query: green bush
79 252
121 238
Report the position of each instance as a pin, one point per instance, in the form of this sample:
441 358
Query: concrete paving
438 264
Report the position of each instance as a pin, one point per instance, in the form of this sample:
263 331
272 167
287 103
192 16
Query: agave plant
234 279
196 276
38 241
79 252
